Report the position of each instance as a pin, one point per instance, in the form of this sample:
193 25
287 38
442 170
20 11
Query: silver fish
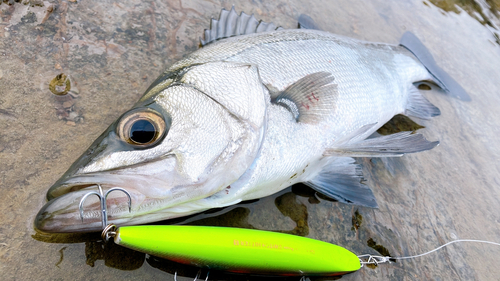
252 112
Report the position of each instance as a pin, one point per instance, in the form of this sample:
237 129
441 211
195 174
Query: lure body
239 250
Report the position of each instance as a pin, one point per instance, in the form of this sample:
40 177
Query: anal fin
310 98
341 179
394 145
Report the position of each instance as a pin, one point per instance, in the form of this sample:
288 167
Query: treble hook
102 199
195 278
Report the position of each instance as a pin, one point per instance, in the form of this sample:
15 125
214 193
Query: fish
255 110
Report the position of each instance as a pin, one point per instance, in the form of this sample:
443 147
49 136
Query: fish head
187 141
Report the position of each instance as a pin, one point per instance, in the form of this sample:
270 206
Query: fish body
245 117
372 84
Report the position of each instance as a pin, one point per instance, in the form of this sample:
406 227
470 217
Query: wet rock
60 85
399 123
379 248
32 3
68 104
292 208
65 100
30 17
7 115
424 87
357 220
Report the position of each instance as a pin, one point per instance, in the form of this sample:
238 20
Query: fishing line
372 259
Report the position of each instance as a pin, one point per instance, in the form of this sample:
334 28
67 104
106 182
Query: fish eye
142 128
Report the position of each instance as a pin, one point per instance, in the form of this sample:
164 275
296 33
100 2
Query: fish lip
63 214
46 221
57 189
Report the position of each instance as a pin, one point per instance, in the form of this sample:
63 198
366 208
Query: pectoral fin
341 180
310 98
385 146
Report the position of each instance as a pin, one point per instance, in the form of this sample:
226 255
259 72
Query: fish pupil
142 132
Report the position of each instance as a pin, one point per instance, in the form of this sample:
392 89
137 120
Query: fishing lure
238 250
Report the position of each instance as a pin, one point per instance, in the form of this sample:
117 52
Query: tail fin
448 84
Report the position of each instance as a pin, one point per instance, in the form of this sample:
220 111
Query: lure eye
142 128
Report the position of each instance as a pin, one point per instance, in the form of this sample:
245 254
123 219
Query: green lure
239 250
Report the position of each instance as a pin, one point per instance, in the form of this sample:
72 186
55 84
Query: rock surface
113 50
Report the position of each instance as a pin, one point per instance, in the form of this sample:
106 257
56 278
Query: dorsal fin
310 98
230 24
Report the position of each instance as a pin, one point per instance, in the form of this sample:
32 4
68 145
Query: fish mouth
150 198
149 193
79 211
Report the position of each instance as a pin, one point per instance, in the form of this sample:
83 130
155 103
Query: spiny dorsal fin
310 98
230 24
